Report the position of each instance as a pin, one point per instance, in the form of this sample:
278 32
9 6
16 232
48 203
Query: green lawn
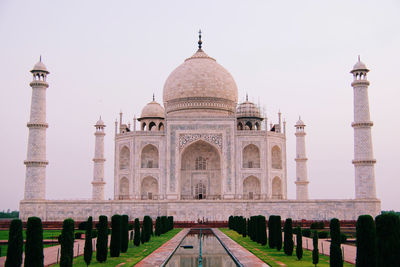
273 257
133 255
47 234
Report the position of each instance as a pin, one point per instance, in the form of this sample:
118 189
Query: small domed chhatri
247 109
153 110
200 83
40 67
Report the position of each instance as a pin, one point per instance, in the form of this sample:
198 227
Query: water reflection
213 253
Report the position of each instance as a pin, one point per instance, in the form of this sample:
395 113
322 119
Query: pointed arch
143 126
251 156
249 126
277 188
251 187
276 157
149 187
152 126
161 127
124 158
124 188
149 157
240 126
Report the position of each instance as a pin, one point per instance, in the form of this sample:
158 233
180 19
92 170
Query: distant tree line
9 214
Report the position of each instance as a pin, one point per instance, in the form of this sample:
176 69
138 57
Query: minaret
363 153
98 166
35 179
301 162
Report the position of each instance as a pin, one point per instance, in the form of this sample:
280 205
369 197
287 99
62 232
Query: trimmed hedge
315 252
288 241
102 239
124 233
136 237
335 259
388 239
67 243
34 243
366 241
115 245
15 244
88 250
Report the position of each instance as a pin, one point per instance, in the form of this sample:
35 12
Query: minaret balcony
364 124
38 83
356 83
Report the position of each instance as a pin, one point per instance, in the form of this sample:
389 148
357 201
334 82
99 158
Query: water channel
201 248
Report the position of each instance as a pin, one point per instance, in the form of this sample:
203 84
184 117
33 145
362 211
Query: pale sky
107 56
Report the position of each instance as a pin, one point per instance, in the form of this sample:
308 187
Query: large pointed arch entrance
200 174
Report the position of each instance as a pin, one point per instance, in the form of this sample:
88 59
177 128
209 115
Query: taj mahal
200 155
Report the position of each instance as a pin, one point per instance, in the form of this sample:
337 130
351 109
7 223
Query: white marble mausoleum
200 155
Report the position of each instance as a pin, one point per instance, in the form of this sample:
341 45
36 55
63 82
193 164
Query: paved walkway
244 256
157 257
52 254
349 251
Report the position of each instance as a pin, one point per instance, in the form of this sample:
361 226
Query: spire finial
200 42
153 97
40 58
358 58
247 97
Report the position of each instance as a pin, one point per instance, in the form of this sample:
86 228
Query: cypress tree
115 245
67 243
263 231
315 252
388 239
299 243
136 237
335 258
164 224
170 222
15 243
365 241
288 241
244 228
102 239
34 243
88 250
278 233
150 225
271 237
124 233
157 230
143 232
230 222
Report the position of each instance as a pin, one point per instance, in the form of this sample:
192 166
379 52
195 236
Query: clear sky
107 56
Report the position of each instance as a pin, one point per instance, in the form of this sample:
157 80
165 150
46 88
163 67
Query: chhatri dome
200 83
40 67
247 109
153 110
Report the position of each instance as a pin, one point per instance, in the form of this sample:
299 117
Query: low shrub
78 235
323 234
343 238
82 226
317 225
306 232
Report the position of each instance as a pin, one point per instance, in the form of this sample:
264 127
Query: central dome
200 83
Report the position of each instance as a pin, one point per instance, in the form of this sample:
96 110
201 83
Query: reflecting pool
213 253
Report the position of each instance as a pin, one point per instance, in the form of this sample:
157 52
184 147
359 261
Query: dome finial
153 97
40 58
247 97
200 42
359 58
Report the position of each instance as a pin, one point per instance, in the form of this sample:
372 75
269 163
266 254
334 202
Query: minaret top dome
100 122
40 67
360 66
300 123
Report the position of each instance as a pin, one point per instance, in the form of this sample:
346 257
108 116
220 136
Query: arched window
143 126
152 126
240 126
124 188
277 188
201 163
251 187
251 157
161 127
124 158
149 157
249 126
149 187
276 156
